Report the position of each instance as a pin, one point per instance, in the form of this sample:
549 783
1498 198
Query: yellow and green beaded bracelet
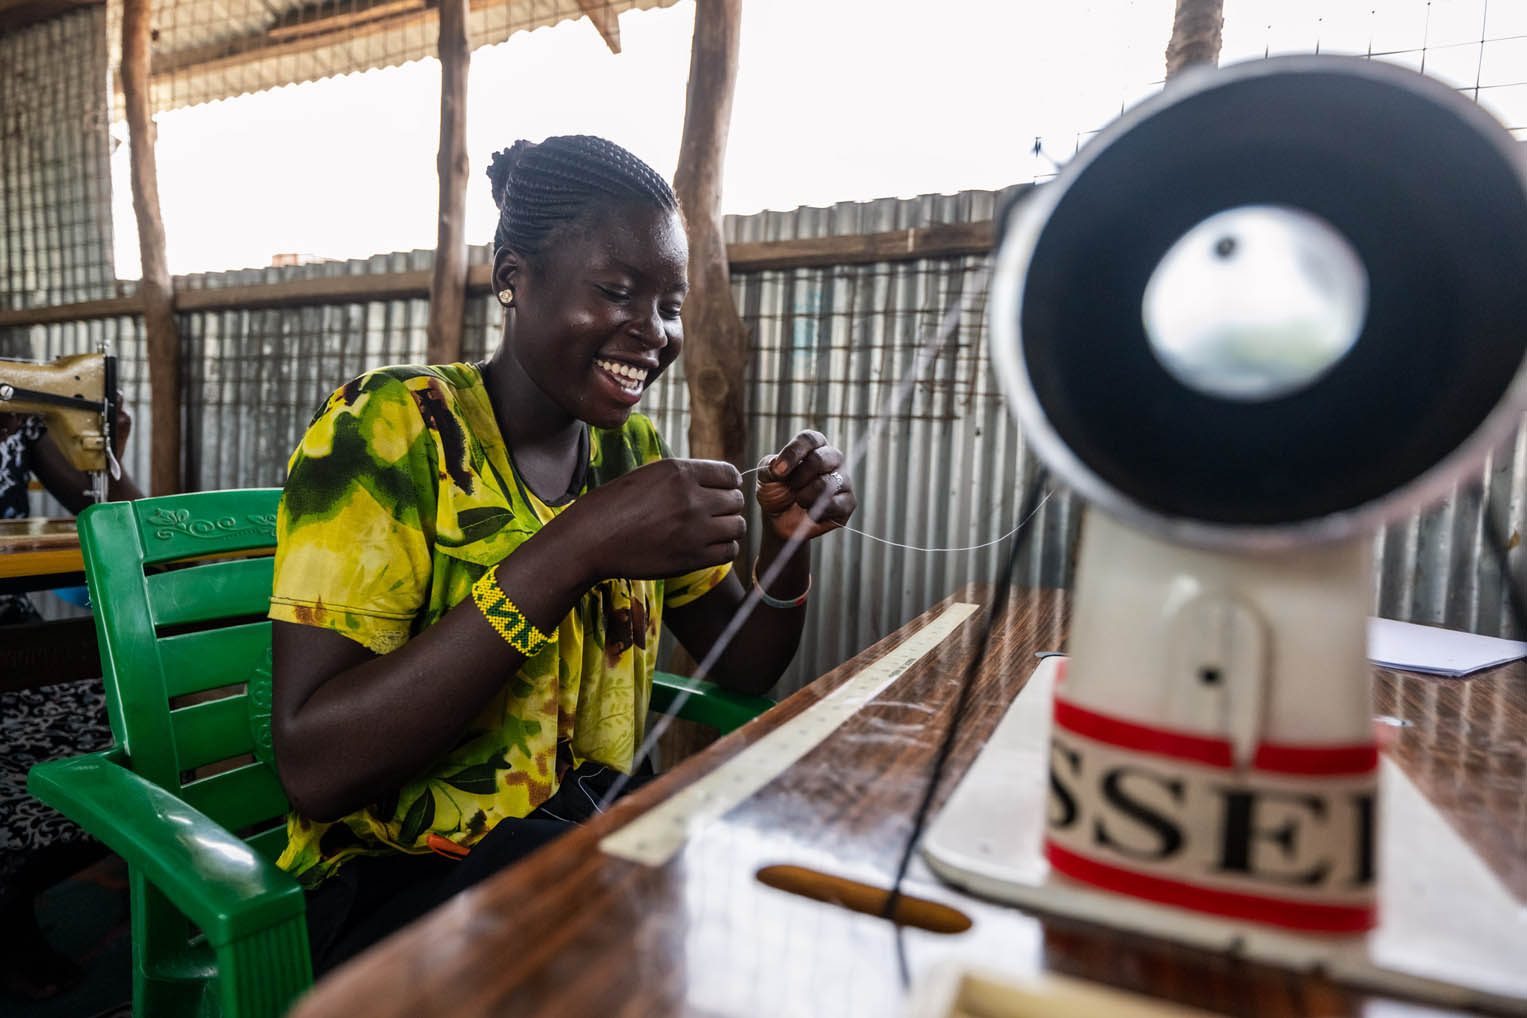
505 616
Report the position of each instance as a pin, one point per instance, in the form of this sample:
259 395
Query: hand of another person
791 481
124 424
664 519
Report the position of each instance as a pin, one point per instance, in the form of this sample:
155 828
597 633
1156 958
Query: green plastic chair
217 928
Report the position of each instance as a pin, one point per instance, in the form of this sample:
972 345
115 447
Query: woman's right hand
664 519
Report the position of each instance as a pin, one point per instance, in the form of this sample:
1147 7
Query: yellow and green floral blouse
402 494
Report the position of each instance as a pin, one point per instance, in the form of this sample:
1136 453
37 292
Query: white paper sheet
1437 651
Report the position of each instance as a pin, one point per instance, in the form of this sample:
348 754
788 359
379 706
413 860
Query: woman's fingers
775 498
807 477
828 484
722 501
728 528
818 463
841 507
808 494
785 462
836 510
724 552
713 473
802 463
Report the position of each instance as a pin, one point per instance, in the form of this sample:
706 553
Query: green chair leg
261 975
166 978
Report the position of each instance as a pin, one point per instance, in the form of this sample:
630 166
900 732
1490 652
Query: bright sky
837 100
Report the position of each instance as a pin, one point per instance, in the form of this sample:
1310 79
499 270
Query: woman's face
597 315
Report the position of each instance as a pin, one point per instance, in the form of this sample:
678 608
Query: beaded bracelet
778 602
505 617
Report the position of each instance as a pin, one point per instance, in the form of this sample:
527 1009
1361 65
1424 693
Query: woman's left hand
792 480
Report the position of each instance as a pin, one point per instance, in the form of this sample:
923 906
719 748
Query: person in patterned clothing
474 561
38 847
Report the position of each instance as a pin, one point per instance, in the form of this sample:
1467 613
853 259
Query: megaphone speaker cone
1360 341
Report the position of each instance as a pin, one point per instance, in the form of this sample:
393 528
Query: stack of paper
1435 651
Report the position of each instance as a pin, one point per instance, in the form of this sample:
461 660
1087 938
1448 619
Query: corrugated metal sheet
1438 567
55 180
829 346
213 49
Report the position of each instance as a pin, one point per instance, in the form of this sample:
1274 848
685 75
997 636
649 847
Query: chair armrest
217 881
707 703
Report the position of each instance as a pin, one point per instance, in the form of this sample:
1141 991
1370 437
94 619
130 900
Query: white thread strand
899 395
917 547
969 547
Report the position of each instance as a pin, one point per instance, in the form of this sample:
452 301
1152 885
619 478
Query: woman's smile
627 380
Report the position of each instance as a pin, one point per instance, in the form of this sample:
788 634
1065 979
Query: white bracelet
776 602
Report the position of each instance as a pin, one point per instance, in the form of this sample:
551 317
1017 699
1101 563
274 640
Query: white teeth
632 376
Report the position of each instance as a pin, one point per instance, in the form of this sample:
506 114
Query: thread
917 547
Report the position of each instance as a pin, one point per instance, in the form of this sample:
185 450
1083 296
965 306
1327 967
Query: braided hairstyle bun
502 166
539 187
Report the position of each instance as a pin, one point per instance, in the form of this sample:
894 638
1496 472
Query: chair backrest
181 585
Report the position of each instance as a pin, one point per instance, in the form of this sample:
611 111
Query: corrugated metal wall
829 346
55 180
1437 567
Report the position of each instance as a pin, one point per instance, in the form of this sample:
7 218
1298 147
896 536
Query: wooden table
572 931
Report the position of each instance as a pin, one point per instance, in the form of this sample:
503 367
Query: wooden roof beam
16 14
342 21
389 16
606 21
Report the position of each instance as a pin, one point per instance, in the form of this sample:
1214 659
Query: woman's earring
506 296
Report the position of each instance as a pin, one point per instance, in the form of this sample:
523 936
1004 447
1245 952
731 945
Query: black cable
1003 587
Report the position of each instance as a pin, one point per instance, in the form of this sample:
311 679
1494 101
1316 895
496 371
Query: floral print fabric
400 496
18 434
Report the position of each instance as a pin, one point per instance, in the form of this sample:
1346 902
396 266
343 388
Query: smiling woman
474 561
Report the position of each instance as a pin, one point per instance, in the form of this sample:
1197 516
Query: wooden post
448 287
715 343
155 290
1196 31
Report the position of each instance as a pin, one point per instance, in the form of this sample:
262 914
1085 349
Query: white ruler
654 837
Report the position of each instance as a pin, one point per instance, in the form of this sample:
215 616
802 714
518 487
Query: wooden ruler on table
654 837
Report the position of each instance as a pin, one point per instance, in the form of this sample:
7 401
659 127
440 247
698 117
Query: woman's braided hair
539 187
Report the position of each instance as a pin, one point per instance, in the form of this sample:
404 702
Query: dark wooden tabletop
573 931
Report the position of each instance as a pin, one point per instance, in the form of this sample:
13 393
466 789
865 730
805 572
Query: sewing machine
76 395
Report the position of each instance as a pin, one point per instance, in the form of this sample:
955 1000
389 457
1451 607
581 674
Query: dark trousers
373 896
